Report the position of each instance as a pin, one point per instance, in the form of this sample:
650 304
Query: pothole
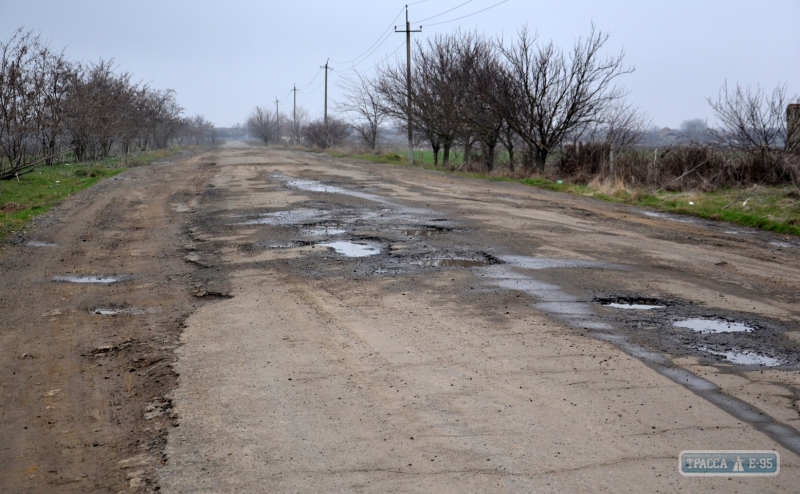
293 217
352 249
745 358
455 263
710 326
632 303
114 311
90 279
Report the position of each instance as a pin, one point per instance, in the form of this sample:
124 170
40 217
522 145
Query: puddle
36 243
666 217
632 303
713 326
454 263
326 230
111 311
315 186
105 312
745 358
352 249
634 306
89 279
785 245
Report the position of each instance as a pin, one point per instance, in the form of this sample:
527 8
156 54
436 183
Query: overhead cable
468 15
443 13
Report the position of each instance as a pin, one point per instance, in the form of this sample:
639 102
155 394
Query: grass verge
38 191
775 209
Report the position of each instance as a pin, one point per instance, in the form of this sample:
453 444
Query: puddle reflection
713 326
352 249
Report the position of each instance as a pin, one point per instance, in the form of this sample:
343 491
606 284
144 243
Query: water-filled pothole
90 279
710 326
745 358
455 263
37 243
114 311
632 303
352 249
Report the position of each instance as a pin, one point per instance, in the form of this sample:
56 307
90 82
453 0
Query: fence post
611 163
792 127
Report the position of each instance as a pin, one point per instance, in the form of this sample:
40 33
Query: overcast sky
224 58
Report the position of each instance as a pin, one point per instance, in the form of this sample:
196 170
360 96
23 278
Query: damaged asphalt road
256 320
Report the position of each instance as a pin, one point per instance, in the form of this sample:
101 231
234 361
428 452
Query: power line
312 80
315 89
443 13
468 15
373 44
352 69
388 35
414 3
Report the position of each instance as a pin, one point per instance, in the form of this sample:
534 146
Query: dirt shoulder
85 367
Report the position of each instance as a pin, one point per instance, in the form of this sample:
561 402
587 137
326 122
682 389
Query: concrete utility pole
326 90
277 120
408 32
294 116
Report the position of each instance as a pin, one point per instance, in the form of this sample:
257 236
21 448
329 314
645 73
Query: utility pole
277 121
294 116
326 90
408 32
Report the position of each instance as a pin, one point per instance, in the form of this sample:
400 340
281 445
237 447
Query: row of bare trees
532 99
271 128
526 97
50 105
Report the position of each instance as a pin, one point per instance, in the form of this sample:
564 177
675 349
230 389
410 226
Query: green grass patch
40 190
775 209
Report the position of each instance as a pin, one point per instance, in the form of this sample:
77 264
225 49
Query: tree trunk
435 155
490 156
446 155
540 158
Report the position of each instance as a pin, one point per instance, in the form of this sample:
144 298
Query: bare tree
263 125
56 76
20 101
479 77
751 118
548 94
435 96
299 120
621 126
323 135
363 108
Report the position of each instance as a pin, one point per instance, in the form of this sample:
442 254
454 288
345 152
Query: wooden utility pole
294 116
326 90
408 32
